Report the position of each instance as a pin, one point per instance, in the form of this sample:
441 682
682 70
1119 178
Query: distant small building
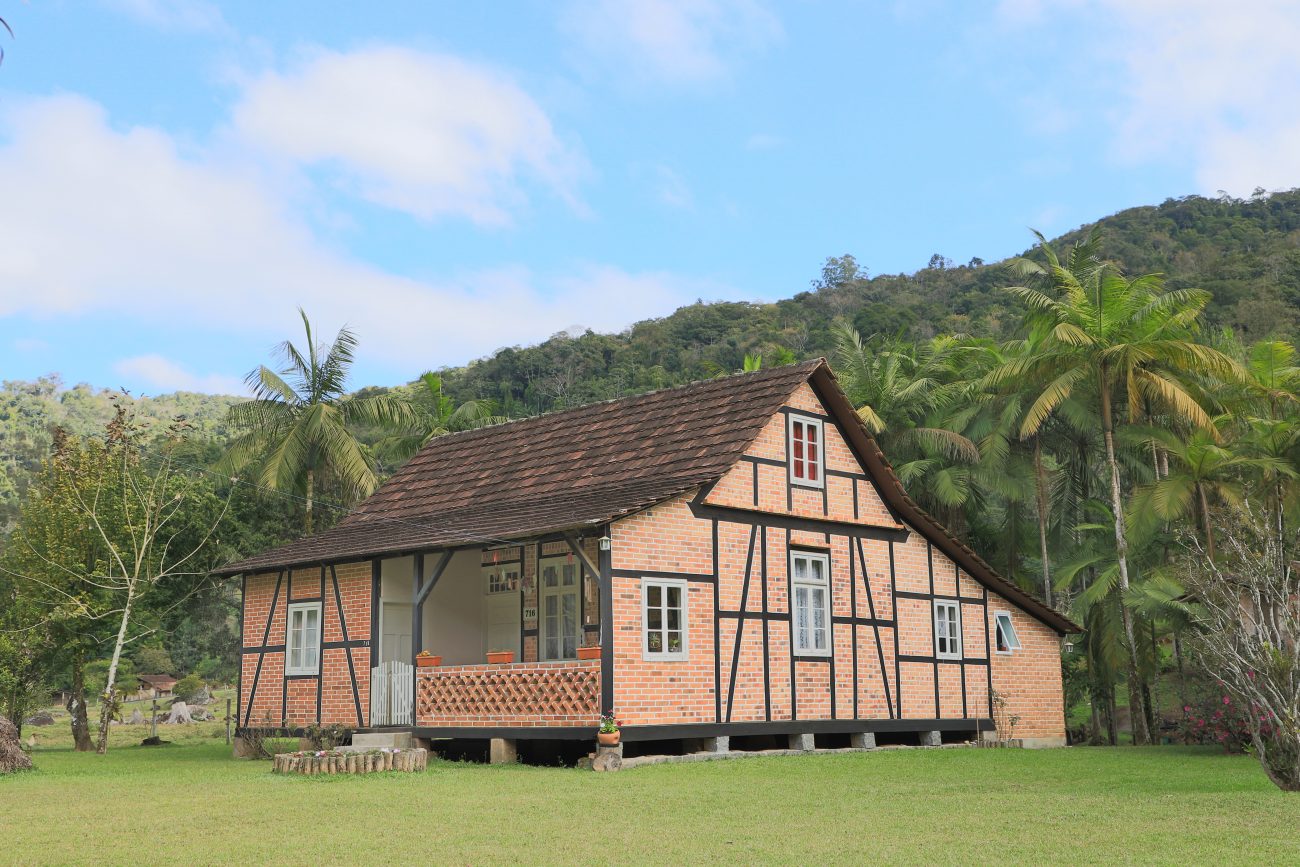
156 685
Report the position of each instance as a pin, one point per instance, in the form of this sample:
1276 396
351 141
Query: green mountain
1246 252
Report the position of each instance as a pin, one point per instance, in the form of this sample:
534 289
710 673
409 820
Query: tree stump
180 713
608 758
12 757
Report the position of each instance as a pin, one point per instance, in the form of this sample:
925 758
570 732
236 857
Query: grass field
190 803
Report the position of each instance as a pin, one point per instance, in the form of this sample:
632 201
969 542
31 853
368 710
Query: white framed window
558 595
947 629
303 648
501 579
806 451
1004 633
663 618
810 591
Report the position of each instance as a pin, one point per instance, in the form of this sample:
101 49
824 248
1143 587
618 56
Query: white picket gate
392 687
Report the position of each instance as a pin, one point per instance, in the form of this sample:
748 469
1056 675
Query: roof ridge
811 364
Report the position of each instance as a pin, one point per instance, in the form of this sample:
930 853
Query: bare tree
1247 606
129 520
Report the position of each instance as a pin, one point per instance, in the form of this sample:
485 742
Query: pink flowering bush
1216 718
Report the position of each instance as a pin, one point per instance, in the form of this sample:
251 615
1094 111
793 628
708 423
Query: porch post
606 584
417 608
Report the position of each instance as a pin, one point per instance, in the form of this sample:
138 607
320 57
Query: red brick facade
729 544
739 667
267 698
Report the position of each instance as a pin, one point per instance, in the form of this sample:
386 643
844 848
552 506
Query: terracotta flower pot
500 657
608 739
427 661
589 652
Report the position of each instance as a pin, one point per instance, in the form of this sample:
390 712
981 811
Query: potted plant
589 651
608 734
425 659
500 657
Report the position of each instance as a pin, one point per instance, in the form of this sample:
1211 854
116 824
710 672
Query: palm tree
442 417
1202 471
1121 337
297 427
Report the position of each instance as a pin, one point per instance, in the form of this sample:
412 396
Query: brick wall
294 701
532 694
768 683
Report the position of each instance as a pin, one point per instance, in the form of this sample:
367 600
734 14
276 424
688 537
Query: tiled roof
584 467
560 471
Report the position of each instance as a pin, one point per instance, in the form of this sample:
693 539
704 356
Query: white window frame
559 591
296 608
824 585
808 421
664 655
954 608
1013 640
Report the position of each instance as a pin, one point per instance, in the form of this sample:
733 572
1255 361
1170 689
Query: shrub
189 687
154 660
1215 718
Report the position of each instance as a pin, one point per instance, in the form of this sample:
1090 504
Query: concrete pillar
863 740
503 752
801 742
715 745
931 739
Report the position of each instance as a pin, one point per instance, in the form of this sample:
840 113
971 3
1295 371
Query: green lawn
190 803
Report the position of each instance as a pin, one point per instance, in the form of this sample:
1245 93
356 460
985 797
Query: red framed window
806 451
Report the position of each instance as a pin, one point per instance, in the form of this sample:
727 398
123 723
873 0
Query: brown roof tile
559 471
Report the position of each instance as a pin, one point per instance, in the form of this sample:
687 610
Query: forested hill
1245 252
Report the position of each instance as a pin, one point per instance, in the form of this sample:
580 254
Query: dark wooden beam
439 567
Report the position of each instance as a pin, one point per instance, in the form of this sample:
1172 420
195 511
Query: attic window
1005 631
806 451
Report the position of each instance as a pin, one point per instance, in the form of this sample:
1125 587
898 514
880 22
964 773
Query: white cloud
671 188
120 222
191 15
675 41
166 375
427 134
1212 83
762 141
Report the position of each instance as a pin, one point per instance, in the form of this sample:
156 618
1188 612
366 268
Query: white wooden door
501 612
395 632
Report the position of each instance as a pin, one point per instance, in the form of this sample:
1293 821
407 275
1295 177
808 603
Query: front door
395 632
501 613
559 603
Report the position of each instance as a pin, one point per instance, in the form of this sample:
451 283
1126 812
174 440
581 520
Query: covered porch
534 605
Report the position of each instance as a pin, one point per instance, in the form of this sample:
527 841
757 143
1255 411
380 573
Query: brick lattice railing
521 694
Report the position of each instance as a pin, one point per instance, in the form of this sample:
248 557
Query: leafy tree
1119 337
436 414
297 429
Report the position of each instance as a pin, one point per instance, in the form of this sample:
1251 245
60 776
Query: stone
802 742
136 719
608 758
503 751
863 740
44 718
931 739
12 757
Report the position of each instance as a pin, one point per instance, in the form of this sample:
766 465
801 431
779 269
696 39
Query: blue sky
448 178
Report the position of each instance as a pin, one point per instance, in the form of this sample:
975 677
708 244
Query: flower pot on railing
590 652
427 660
500 657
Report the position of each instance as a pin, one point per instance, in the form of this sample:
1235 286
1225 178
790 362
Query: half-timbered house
730 559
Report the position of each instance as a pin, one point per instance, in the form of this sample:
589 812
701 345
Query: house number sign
530 613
